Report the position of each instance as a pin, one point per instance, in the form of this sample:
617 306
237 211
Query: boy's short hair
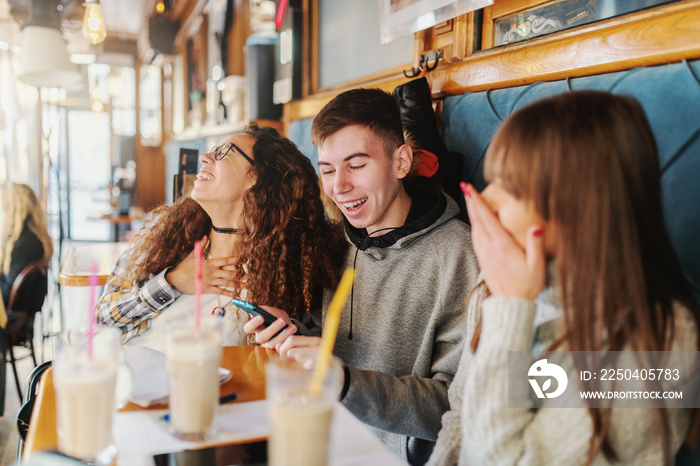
372 108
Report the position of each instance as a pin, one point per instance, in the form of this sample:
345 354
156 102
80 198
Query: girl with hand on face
570 238
256 206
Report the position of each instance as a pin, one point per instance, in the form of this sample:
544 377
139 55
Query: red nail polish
465 188
537 233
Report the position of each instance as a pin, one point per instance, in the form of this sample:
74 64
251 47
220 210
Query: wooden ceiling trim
503 8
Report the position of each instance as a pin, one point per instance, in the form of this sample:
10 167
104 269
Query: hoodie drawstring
352 290
364 244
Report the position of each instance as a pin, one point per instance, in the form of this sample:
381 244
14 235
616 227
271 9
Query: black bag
419 120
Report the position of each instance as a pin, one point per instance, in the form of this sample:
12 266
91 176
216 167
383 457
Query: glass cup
193 360
85 393
300 422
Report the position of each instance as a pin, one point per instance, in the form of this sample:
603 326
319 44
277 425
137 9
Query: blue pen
222 400
227 398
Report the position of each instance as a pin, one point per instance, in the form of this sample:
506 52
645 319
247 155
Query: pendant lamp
94 28
44 60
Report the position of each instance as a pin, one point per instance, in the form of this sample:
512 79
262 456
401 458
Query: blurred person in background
25 236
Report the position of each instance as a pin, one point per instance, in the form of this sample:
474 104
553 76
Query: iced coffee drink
299 421
193 361
300 429
85 391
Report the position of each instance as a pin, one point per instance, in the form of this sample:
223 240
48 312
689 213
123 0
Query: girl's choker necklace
227 231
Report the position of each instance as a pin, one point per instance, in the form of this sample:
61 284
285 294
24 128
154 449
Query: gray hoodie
408 322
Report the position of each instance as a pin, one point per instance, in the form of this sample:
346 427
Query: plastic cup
193 360
300 422
85 394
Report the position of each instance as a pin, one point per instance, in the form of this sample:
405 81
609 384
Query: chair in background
25 411
26 299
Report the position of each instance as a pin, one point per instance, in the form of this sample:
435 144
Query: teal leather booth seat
670 95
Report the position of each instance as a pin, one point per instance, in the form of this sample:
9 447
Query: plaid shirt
131 306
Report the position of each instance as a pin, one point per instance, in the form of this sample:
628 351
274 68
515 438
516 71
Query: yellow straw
330 329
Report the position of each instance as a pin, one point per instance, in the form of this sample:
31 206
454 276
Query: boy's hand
299 347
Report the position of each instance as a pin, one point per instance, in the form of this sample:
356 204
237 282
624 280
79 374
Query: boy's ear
404 160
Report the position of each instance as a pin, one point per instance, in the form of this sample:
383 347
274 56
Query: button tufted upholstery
670 95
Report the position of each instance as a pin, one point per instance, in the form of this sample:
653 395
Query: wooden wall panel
503 8
237 38
150 189
309 107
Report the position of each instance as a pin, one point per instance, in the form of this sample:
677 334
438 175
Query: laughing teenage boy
401 331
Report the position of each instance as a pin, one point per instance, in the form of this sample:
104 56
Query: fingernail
538 232
465 188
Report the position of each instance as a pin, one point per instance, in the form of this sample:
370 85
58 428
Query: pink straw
280 14
93 282
197 284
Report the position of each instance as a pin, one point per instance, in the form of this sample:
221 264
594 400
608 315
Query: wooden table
246 362
75 270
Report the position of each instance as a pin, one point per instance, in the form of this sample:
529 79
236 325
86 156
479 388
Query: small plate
224 375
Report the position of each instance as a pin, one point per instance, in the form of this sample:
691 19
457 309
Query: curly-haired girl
256 204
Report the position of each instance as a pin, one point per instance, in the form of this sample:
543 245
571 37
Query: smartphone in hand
254 310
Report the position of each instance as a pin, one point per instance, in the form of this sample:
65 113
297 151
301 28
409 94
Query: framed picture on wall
532 18
401 17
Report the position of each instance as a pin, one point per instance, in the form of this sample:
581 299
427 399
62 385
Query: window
150 105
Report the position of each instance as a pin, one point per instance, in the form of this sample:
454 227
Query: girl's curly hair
289 248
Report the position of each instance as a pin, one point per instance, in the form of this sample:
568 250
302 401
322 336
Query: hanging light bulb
94 28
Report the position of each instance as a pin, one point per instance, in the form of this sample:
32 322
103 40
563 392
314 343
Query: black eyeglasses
221 151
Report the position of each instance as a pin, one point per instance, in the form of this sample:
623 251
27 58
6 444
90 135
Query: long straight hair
588 162
20 208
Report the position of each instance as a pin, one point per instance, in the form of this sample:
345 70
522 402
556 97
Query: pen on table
226 398
222 400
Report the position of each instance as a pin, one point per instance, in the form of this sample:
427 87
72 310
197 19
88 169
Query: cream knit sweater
480 428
